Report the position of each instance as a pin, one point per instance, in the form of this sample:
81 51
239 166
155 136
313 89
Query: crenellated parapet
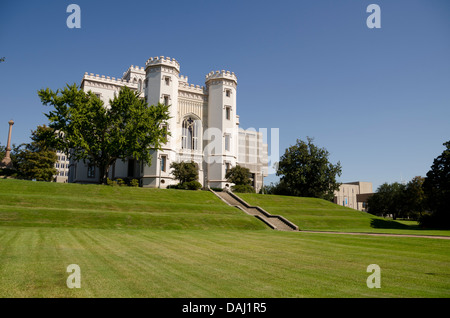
197 89
213 77
163 61
106 82
183 79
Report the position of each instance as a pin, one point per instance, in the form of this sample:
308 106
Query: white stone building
62 167
204 126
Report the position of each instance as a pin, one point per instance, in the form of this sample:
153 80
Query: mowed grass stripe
141 263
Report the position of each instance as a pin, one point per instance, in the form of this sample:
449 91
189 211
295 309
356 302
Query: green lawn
26 203
172 243
320 215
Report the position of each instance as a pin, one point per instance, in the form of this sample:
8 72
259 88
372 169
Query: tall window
228 112
164 130
227 167
163 163
227 142
190 132
140 85
91 171
166 99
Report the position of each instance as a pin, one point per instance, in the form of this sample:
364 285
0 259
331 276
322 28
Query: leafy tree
305 171
238 175
389 199
35 160
415 197
184 171
437 190
90 131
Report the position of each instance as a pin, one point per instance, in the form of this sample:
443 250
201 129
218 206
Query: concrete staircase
276 222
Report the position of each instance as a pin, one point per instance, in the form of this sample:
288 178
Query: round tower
161 86
222 124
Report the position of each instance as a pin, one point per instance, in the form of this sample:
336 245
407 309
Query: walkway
380 234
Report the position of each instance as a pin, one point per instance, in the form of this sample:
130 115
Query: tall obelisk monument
6 162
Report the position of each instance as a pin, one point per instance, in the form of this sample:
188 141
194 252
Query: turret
161 86
222 114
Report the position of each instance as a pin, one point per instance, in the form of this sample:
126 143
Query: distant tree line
424 199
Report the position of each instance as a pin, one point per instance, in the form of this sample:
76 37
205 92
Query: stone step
274 221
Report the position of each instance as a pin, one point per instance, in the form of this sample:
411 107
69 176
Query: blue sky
377 99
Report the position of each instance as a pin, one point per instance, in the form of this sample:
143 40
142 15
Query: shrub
191 185
243 188
120 182
111 182
134 183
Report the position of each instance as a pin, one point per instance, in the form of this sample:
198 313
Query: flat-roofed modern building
354 195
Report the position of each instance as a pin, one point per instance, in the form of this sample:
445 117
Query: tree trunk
103 174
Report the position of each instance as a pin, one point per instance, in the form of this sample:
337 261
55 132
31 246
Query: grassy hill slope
321 215
26 203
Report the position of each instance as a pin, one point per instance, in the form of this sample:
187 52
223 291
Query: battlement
135 69
185 86
107 79
161 60
183 79
221 75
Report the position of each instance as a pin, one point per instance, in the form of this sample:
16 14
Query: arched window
140 86
190 133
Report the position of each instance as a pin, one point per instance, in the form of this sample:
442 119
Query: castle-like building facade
203 125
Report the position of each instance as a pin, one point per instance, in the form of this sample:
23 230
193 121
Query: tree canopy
437 189
86 130
35 160
306 171
240 176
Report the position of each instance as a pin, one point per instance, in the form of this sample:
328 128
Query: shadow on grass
390 224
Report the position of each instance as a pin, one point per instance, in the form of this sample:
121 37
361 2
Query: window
227 142
167 80
130 171
166 100
63 158
140 85
91 171
228 112
228 92
163 163
98 95
165 130
227 167
190 132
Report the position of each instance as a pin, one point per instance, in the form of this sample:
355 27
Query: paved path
380 234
